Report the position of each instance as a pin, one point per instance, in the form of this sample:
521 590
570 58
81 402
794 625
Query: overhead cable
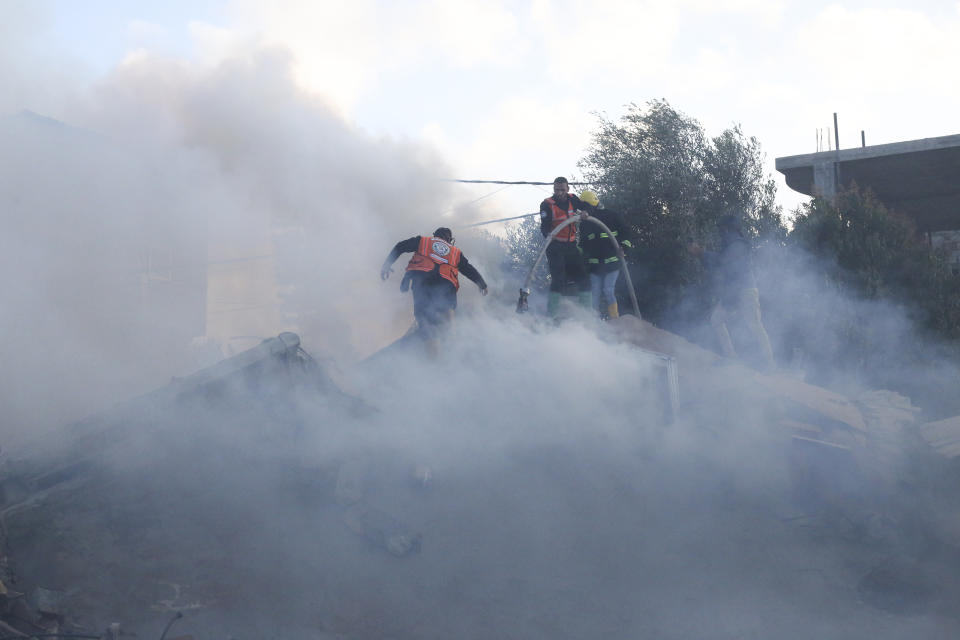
480 224
572 184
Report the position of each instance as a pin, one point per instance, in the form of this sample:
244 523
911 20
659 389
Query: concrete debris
48 601
809 399
351 479
382 529
943 436
800 428
421 476
875 427
845 456
43 612
64 507
67 510
112 632
375 525
823 473
11 631
891 418
898 589
708 380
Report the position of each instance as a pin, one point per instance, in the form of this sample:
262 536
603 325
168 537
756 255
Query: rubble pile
118 522
208 499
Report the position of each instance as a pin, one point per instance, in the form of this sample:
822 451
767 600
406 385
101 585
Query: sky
510 90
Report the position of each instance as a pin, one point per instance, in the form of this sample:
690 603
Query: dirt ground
562 543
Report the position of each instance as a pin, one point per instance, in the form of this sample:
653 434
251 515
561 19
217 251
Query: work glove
385 272
483 288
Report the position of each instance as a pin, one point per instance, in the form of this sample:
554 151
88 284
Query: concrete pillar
825 179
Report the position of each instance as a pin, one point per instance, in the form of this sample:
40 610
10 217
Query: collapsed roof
255 497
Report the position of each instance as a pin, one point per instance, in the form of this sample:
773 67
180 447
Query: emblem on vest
439 250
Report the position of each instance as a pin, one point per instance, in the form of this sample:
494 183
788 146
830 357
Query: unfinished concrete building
917 178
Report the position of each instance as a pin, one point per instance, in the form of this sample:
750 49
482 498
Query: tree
866 301
523 244
673 183
870 252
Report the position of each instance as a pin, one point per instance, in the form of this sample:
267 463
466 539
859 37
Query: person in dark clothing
433 272
603 263
731 270
563 255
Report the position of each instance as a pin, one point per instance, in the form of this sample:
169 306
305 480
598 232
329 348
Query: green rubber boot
585 299
553 304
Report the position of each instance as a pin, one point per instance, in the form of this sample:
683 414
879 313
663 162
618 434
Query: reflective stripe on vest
603 234
434 253
606 260
569 233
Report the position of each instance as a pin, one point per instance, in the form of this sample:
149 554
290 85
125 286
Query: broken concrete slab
277 364
382 529
943 436
351 482
48 601
115 490
784 397
813 399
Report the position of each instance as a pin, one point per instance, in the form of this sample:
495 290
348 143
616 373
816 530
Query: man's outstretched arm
471 272
404 246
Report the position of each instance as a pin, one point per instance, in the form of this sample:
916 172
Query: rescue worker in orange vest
563 254
433 272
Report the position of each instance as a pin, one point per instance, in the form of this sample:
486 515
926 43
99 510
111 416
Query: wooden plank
796 425
940 442
946 422
949 450
941 431
827 403
828 446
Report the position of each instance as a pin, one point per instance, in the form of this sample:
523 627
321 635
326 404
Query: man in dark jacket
563 254
600 253
433 272
731 269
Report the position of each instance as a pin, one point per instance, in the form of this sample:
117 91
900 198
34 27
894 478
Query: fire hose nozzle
522 304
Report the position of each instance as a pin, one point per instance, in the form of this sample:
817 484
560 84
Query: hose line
525 291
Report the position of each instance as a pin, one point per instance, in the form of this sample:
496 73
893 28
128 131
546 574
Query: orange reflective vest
569 233
434 252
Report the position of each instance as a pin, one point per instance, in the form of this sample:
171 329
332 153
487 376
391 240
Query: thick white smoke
112 217
174 201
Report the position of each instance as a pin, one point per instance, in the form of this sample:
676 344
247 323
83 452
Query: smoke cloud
166 171
181 201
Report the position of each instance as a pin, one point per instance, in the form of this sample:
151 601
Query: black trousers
566 264
434 299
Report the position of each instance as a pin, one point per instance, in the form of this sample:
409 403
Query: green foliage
870 252
844 291
523 242
866 301
673 183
